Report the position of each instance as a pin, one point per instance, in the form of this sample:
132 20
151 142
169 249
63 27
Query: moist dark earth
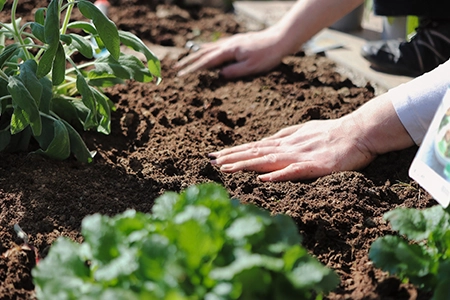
161 135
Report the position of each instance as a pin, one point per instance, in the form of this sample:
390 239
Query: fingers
263 164
191 58
283 132
295 172
205 60
250 150
210 55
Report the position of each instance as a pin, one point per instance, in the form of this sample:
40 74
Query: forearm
416 102
308 17
381 130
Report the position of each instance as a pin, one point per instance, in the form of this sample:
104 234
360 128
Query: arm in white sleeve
416 102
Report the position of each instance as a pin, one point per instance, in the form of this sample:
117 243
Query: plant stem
81 66
3 75
6 97
18 37
67 16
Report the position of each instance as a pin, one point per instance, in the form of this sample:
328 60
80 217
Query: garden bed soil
160 138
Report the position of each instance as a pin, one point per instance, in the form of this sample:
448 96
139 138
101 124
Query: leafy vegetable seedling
45 95
199 244
422 254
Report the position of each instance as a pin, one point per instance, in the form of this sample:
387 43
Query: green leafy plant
422 254
195 245
45 95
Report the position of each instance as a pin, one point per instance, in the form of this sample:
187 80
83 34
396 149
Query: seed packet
431 165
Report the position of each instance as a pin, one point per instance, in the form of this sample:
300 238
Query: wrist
381 130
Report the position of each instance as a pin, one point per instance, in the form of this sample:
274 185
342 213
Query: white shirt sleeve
416 101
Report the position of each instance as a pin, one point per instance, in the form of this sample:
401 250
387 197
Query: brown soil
160 139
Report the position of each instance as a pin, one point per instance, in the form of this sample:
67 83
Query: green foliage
195 245
45 95
423 256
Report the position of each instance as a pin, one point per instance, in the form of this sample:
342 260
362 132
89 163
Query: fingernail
226 168
213 162
213 154
181 73
265 177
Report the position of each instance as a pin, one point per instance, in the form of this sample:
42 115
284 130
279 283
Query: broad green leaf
59 66
46 96
130 221
54 140
101 237
64 262
82 45
48 132
245 261
77 146
89 101
23 99
123 265
66 110
39 17
104 112
132 41
160 253
209 194
46 61
442 289
198 213
287 226
417 224
198 242
244 227
72 110
394 255
382 253
2 4
309 272
106 29
126 67
19 120
86 26
51 23
163 207
38 31
7 53
51 34
103 79
66 39
30 81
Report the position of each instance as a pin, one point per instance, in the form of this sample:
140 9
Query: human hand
300 152
252 53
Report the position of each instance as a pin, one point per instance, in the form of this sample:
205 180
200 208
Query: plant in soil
198 244
421 255
160 137
45 95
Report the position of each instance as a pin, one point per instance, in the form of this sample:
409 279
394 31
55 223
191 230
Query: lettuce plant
45 96
195 245
421 255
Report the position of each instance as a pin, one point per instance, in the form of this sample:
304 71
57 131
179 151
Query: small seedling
26 246
421 254
199 244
